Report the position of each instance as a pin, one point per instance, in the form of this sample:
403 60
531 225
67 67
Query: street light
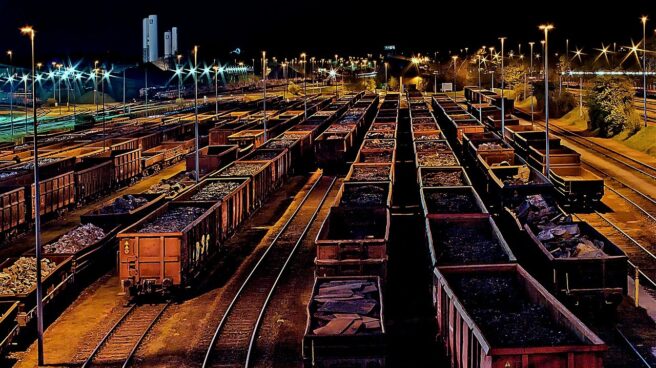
264 93
480 106
11 89
546 28
644 66
95 85
503 99
29 31
304 56
196 111
531 73
455 72
179 73
386 87
216 89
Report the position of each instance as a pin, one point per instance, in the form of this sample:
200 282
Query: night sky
112 29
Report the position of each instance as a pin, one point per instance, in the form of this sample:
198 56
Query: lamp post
216 89
386 80
530 70
29 31
179 78
304 56
264 93
95 84
480 107
546 28
644 67
503 99
102 90
455 73
197 166
25 78
11 90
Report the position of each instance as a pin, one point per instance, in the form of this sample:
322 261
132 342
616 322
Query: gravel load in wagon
76 240
432 146
279 143
429 135
20 276
436 159
240 169
443 177
42 162
421 120
340 128
466 241
172 186
369 173
385 127
346 307
173 220
432 126
263 155
379 135
375 156
378 144
507 317
216 190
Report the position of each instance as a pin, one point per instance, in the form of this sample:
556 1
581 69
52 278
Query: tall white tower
167 44
153 49
145 40
174 40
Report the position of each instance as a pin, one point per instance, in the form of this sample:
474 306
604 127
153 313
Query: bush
610 106
293 89
559 103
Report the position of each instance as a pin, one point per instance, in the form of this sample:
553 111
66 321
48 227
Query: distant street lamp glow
546 28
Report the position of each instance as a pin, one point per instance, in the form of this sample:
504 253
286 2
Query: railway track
234 337
120 344
634 349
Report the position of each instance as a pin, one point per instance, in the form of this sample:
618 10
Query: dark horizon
287 28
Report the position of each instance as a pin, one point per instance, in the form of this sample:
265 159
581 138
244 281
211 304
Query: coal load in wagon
458 243
500 307
536 211
364 196
566 241
20 277
380 135
263 155
172 221
451 202
215 190
280 143
42 162
171 186
376 157
443 179
346 307
124 205
76 240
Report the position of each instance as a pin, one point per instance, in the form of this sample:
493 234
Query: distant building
150 39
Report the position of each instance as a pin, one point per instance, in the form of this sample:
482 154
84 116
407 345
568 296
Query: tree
559 103
610 106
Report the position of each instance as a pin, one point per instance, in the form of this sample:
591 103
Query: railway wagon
280 159
466 241
88 252
247 138
495 316
452 202
168 249
596 278
525 140
124 210
507 187
156 158
13 209
92 179
353 241
232 195
56 277
510 131
117 144
354 339
9 328
212 158
260 175
331 147
558 157
577 185
376 156
486 141
494 121
219 134
148 139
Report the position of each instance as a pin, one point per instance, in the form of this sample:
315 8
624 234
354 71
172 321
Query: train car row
579 265
490 312
351 258
576 185
336 144
166 250
80 167
225 200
